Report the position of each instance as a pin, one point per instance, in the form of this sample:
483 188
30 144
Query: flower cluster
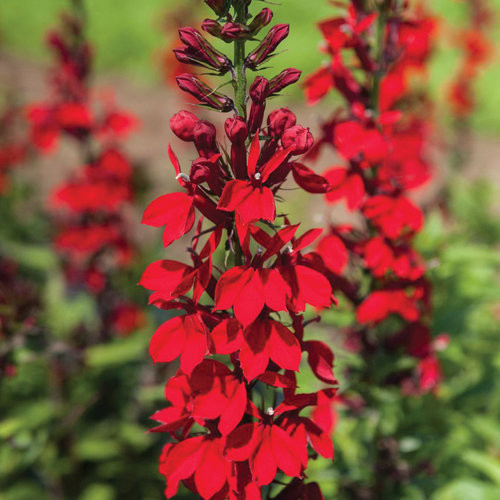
235 413
93 234
385 154
477 52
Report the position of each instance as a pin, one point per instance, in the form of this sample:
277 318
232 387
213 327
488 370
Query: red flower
252 200
382 303
394 216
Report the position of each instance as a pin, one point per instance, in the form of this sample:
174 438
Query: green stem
240 83
240 94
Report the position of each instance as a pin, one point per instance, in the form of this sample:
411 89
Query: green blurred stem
240 83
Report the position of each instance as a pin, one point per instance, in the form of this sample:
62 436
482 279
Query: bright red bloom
382 303
394 216
252 200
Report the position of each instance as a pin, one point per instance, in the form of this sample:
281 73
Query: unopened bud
209 97
236 129
266 48
182 125
284 79
262 19
300 138
280 120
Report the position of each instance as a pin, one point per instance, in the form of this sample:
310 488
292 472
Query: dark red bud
284 79
218 6
212 27
299 137
182 125
236 130
200 171
235 31
259 90
205 138
266 48
209 97
280 120
199 52
262 19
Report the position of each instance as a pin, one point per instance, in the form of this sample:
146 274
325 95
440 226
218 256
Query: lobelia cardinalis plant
235 414
93 231
382 134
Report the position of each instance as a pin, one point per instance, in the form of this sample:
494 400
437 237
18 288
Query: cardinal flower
252 200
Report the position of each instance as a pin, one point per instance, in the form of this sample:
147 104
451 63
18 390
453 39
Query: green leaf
119 351
467 489
484 463
98 491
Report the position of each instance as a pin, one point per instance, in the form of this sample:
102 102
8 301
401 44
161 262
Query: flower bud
212 28
236 129
259 92
300 138
209 97
280 120
204 134
220 7
200 52
265 49
284 79
262 19
182 125
235 31
200 171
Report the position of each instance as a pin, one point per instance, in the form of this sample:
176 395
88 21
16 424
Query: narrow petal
168 341
284 348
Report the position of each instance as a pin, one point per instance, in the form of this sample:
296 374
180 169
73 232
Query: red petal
275 289
164 276
181 461
314 287
241 443
254 355
320 358
320 440
263 463
175 211
195 346
253 155
227 337
284 348
334 253
234 193
274 163
306 239
234 411
285 452
309 180
168 341
229 286
250 300
258 205
211 473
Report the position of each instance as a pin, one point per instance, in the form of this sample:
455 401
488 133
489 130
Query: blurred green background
128 36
